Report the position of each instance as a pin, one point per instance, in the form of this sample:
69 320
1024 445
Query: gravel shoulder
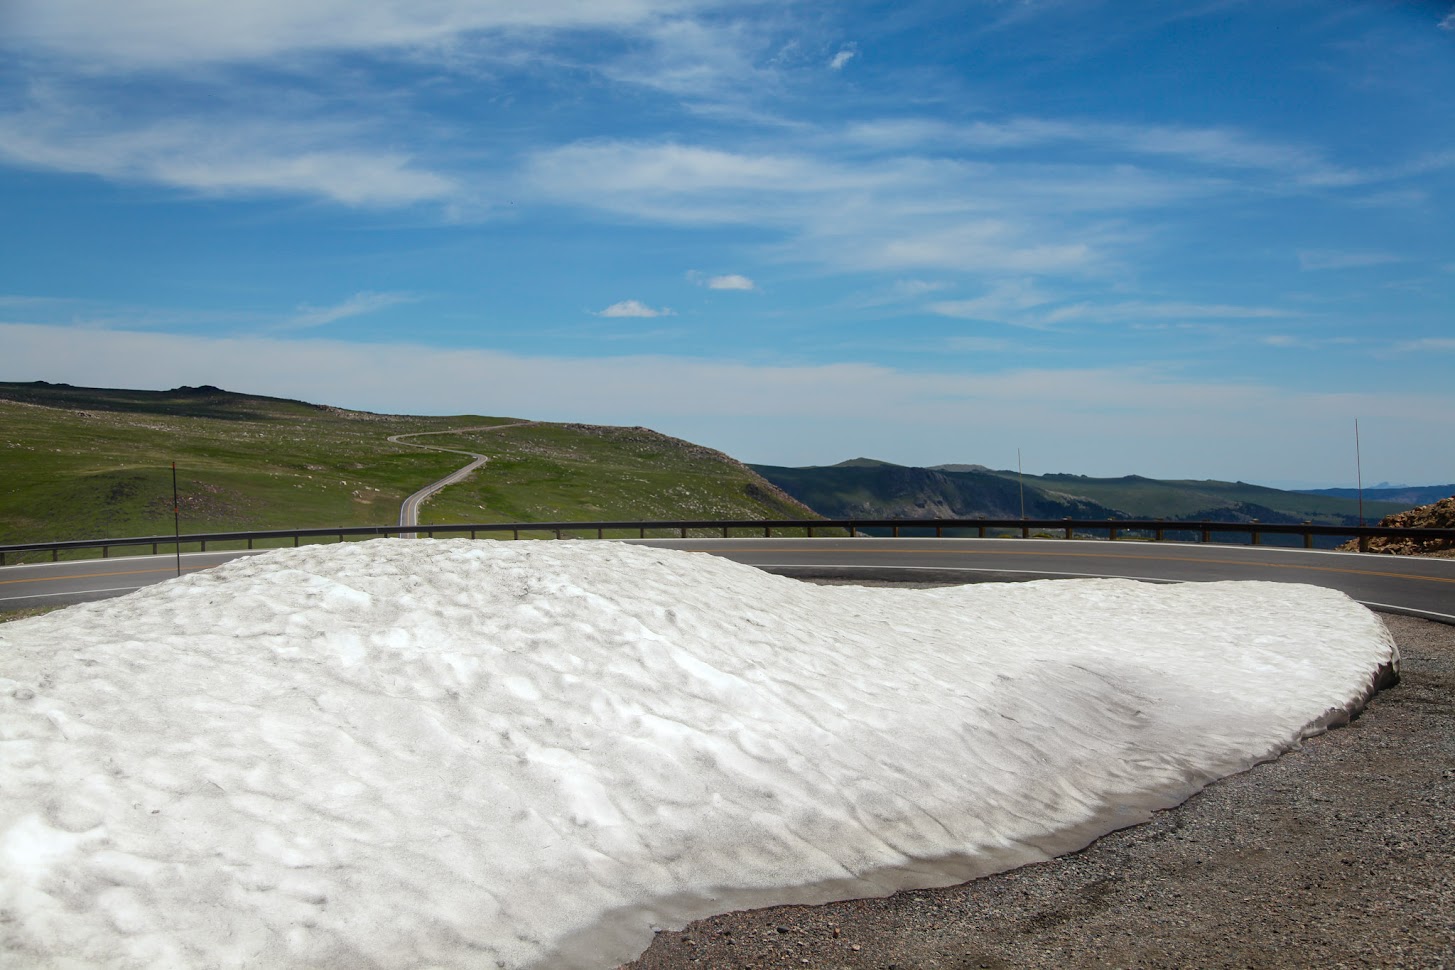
1339 854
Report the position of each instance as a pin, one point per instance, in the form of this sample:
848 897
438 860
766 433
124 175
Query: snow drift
466 754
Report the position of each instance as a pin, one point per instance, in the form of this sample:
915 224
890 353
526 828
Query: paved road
409 509
1420 587
1415 585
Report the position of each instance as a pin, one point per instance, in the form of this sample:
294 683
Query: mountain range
868 488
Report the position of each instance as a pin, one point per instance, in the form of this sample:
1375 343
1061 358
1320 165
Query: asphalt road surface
1416 586
409 508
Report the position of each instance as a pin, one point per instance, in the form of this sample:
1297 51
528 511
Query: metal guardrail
1156 529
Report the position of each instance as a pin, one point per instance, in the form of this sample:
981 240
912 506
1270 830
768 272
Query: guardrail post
515 533
939 532
1308 537
809 530
600 534
1068 527
1025 531
767 532
724 532
1112 533
558 533
55 555
1157 533
894 531
682 530
982 532
1207 535
1363 543
105 552
1254 533
295 540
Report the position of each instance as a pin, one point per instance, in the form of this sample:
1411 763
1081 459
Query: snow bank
468 754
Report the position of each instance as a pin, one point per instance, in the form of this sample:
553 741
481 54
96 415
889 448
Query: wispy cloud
1316 259
215 156
1426 344
172 32
1225 148
356 305
846 54
1022 303
1006 302
634 308
730 281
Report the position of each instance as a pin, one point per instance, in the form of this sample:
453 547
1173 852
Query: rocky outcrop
1440 515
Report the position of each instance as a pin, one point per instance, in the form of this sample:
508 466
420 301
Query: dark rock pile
1440 515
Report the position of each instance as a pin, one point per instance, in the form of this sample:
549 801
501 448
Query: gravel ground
1340 854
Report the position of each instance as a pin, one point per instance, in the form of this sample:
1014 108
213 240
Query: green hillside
1140 497
868 488
88 463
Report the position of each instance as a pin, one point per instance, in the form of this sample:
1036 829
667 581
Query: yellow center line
1105 555
119 572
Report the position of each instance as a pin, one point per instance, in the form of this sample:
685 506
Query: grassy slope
87 463
537 471
867 487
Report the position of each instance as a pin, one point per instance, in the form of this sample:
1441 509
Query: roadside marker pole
1359 470
176 518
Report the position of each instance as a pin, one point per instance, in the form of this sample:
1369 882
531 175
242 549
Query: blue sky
1176 239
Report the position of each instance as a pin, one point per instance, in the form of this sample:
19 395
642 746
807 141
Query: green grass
79 463
600 473
7 615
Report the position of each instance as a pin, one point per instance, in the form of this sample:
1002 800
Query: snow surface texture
467 754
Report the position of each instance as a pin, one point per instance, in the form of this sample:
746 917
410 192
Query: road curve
409 508
1414 585
1402 584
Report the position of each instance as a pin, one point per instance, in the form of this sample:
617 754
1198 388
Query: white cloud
634 308
151 33
217 156
1004 303
1316 259
1427 343
356 305
1164 423
1022 303
1209 147
843 57
732 281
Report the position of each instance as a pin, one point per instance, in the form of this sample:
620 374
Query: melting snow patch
467 754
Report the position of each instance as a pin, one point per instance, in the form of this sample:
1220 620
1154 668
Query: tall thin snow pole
176 518
1359 470
1021 475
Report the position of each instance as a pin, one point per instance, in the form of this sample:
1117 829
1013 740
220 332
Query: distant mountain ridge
1406 495
869 488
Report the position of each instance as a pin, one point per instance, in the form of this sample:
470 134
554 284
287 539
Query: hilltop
83 462
866 487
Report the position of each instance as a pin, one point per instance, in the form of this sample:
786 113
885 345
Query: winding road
1412 585
409 509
